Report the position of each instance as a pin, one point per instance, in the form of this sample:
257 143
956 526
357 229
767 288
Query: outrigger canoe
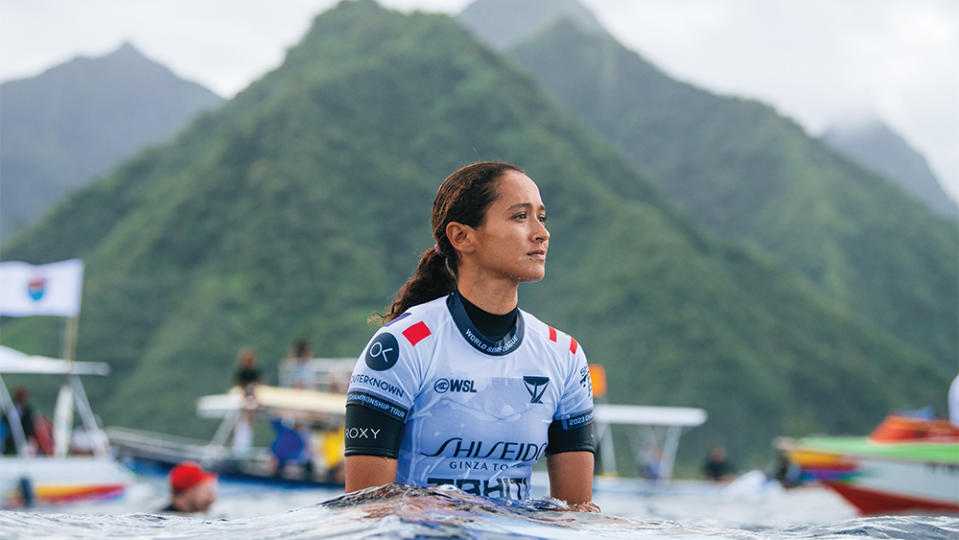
906 465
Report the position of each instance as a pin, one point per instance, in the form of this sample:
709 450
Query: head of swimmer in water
488 219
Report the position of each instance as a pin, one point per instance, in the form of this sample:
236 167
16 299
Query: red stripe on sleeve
573 345
416 333
552 334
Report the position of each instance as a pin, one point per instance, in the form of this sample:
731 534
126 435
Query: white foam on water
245 511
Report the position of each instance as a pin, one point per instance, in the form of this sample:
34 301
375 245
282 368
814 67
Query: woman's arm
571 479
369 471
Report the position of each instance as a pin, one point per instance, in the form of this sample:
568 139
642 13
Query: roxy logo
442 386
362 433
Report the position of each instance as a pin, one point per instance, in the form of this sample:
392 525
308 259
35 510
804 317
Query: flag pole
70 338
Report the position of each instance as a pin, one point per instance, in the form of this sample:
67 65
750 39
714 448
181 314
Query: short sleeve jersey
478 413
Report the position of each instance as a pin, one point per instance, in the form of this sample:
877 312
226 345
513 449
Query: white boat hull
53 481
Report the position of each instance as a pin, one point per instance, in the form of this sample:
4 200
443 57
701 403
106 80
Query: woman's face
512 240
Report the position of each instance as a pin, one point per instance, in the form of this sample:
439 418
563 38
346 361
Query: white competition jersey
476 411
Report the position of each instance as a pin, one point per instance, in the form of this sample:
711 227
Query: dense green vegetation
78 120
747 173
299 207
876 146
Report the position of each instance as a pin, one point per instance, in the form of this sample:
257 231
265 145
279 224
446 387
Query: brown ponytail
464 198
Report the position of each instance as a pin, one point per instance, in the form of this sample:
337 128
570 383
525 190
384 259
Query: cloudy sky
818 61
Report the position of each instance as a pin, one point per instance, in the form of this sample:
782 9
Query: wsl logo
536 386
441 386
36 288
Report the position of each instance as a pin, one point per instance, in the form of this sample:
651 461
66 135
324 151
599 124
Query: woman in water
460 386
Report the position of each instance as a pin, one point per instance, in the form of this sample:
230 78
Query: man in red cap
193 489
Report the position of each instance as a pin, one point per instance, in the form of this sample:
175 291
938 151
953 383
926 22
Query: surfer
460 386
192 489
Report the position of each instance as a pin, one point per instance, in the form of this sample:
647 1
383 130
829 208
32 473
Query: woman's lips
538 255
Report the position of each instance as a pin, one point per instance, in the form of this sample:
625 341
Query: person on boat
460 386
21 403
299 368
246 371
291 447
247 377
717 466
192 489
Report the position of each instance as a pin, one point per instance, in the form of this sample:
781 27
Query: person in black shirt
25 412
247 377
247 373
717 466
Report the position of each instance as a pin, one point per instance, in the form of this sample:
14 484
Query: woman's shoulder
425 312
416 323
554 337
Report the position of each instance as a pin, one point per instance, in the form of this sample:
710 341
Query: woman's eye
542 219
520 216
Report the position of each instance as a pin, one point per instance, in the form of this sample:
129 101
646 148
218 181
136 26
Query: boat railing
322 374
165 445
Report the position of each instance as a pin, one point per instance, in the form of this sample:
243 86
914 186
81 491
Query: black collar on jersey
492 326
505 345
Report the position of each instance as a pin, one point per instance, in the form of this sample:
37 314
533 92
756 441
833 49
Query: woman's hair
464 198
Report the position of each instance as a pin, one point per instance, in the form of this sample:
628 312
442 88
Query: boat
654 434
905 465
30 478
149 452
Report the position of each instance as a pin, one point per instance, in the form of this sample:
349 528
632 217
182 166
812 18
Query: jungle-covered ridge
298 207
873 144
745 173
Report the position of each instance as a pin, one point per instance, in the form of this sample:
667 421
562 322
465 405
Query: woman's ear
462 237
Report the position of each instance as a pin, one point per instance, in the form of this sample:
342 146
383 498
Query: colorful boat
52 473
152 453
905 465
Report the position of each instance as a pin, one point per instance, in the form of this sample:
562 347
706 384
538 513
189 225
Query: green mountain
876 146
504 23
747 173
301 205
78 120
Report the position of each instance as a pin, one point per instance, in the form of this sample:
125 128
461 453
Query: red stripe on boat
870 501
552 334
573 345
417 333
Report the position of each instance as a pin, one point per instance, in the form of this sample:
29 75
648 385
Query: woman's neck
496 296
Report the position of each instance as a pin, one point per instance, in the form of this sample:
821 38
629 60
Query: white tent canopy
13 361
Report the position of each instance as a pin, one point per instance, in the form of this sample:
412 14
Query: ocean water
245 511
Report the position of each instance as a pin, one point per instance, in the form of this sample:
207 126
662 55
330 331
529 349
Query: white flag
50 289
